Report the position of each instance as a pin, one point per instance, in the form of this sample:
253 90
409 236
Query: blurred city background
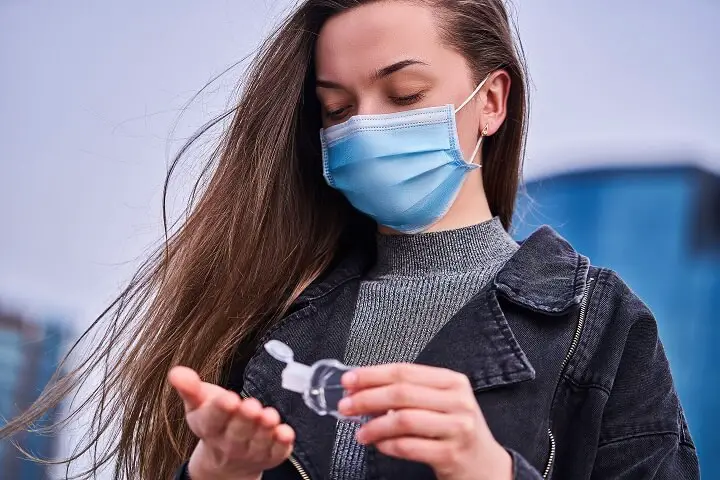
623 159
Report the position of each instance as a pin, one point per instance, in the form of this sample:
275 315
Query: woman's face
388 56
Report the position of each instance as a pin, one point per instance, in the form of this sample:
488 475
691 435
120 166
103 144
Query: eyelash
409 99
336 114
403 101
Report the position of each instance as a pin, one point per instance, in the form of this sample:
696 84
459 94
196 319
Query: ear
493 101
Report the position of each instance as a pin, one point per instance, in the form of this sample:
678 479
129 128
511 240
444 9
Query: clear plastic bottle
319 383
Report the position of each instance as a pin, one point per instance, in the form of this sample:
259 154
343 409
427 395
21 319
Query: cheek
468 131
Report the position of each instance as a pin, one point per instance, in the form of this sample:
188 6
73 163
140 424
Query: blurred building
29 354
659 228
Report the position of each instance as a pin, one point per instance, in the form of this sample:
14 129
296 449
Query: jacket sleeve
643 432
522 470
182 473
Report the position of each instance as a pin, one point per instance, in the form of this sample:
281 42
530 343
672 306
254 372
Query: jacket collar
350 266
546 274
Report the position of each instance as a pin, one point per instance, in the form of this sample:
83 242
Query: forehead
374 35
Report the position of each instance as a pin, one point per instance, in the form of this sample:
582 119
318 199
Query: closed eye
408 99
337 114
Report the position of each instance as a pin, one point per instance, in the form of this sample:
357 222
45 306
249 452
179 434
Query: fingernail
360 437
345 405
349 379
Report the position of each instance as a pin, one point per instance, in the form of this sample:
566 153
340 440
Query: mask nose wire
467 100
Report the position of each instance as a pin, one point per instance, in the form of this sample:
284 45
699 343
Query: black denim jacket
564 359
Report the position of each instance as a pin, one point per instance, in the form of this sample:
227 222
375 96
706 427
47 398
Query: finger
261 442
212 417
284 434
264 437
397 396
379 375
431 452
283 445
415 423
243 424
188 385
269 418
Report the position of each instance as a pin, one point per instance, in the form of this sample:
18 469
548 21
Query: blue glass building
29 355
659 228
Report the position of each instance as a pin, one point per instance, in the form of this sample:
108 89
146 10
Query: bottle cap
296 376
279 351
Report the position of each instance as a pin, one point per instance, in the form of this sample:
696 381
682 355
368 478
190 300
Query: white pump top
296 376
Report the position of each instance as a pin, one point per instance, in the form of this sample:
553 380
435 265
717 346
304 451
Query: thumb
189 386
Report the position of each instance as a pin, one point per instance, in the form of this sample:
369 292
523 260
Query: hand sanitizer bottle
318 383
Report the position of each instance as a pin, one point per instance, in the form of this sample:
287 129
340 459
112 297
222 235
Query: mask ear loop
484 132
472 95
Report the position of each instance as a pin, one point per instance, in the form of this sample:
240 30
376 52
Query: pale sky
90 92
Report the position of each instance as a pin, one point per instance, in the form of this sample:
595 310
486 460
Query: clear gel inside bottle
319 383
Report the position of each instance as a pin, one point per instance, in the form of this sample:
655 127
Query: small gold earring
484 132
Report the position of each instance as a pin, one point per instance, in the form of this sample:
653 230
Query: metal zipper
551 457
299 468
568 356
293 459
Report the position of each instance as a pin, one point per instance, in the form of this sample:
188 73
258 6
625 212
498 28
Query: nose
371 105
365 107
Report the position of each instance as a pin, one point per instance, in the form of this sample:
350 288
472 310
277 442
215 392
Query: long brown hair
264 227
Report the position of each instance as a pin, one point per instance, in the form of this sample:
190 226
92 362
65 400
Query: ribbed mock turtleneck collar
449 251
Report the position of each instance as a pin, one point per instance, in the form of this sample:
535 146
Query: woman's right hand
239 439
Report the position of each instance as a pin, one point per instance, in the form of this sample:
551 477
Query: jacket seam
281 323
638 435
684 431
580 281
335 287
491 298
578 365
329 289
516 297
586 386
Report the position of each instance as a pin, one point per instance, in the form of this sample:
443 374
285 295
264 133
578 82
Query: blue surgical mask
402 169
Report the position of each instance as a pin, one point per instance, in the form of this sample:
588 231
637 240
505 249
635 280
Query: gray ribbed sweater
418 283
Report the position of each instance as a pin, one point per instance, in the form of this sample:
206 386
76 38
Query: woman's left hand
426 415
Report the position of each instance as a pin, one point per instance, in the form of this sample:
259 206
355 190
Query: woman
381 242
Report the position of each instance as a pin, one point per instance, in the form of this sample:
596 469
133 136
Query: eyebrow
380 73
